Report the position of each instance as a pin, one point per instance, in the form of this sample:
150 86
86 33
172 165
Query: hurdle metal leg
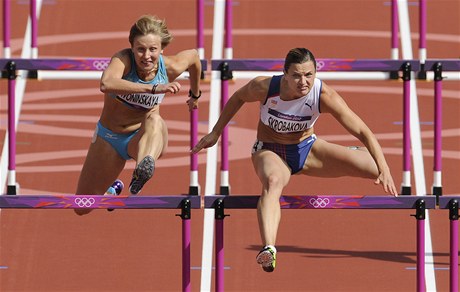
11 71
437 163
453 216
225 76
219 220
186 239
420 216
405 186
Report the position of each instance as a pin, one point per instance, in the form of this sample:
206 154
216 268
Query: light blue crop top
144 100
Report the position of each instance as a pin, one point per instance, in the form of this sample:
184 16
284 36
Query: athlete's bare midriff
120 118
267 134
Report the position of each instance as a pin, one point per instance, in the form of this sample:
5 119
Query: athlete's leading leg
146 147
332 160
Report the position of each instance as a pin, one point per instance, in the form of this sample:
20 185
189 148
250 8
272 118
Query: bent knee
274 182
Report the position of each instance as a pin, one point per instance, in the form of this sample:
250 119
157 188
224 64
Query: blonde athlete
130 126
286 144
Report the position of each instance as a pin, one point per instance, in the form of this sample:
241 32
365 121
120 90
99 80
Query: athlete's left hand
207 141
192 103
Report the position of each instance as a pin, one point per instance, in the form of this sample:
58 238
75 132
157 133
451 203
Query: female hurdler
130 126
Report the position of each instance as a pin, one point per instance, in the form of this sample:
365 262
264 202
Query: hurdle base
437 191
406 191
421 75
224 190
11 190
394 75
32 74
193 191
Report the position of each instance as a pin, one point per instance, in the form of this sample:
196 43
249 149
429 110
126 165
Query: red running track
139 250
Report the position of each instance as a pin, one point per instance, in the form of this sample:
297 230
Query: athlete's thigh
151 139
332 160
164 136
101 167
269 164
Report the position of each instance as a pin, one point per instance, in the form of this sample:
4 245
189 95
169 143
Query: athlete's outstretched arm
333 103
254 90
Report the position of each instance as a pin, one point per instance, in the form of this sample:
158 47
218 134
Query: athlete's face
300 77
147 50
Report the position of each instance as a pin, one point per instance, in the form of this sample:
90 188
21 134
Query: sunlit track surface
137 250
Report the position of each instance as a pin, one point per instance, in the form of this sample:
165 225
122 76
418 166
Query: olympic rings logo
100 64
319 202
84 202
320 65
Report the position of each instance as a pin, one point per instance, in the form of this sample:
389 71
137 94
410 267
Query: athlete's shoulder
182 59
325 88
124 56
260 83
124 53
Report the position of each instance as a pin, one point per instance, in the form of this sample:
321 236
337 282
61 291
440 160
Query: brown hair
298 56
148 24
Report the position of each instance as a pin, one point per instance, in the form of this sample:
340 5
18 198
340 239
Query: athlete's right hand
172 87
386 180
206 142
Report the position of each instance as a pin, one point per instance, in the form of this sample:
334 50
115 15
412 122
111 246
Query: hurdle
183 202
35 6
87 69
439 67
395 31
420 203
34 11
406 67
9 69
226 73
200 27
12 200
6 28
451 203
425 63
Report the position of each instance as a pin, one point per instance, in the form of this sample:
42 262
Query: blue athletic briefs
295 155
119 142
